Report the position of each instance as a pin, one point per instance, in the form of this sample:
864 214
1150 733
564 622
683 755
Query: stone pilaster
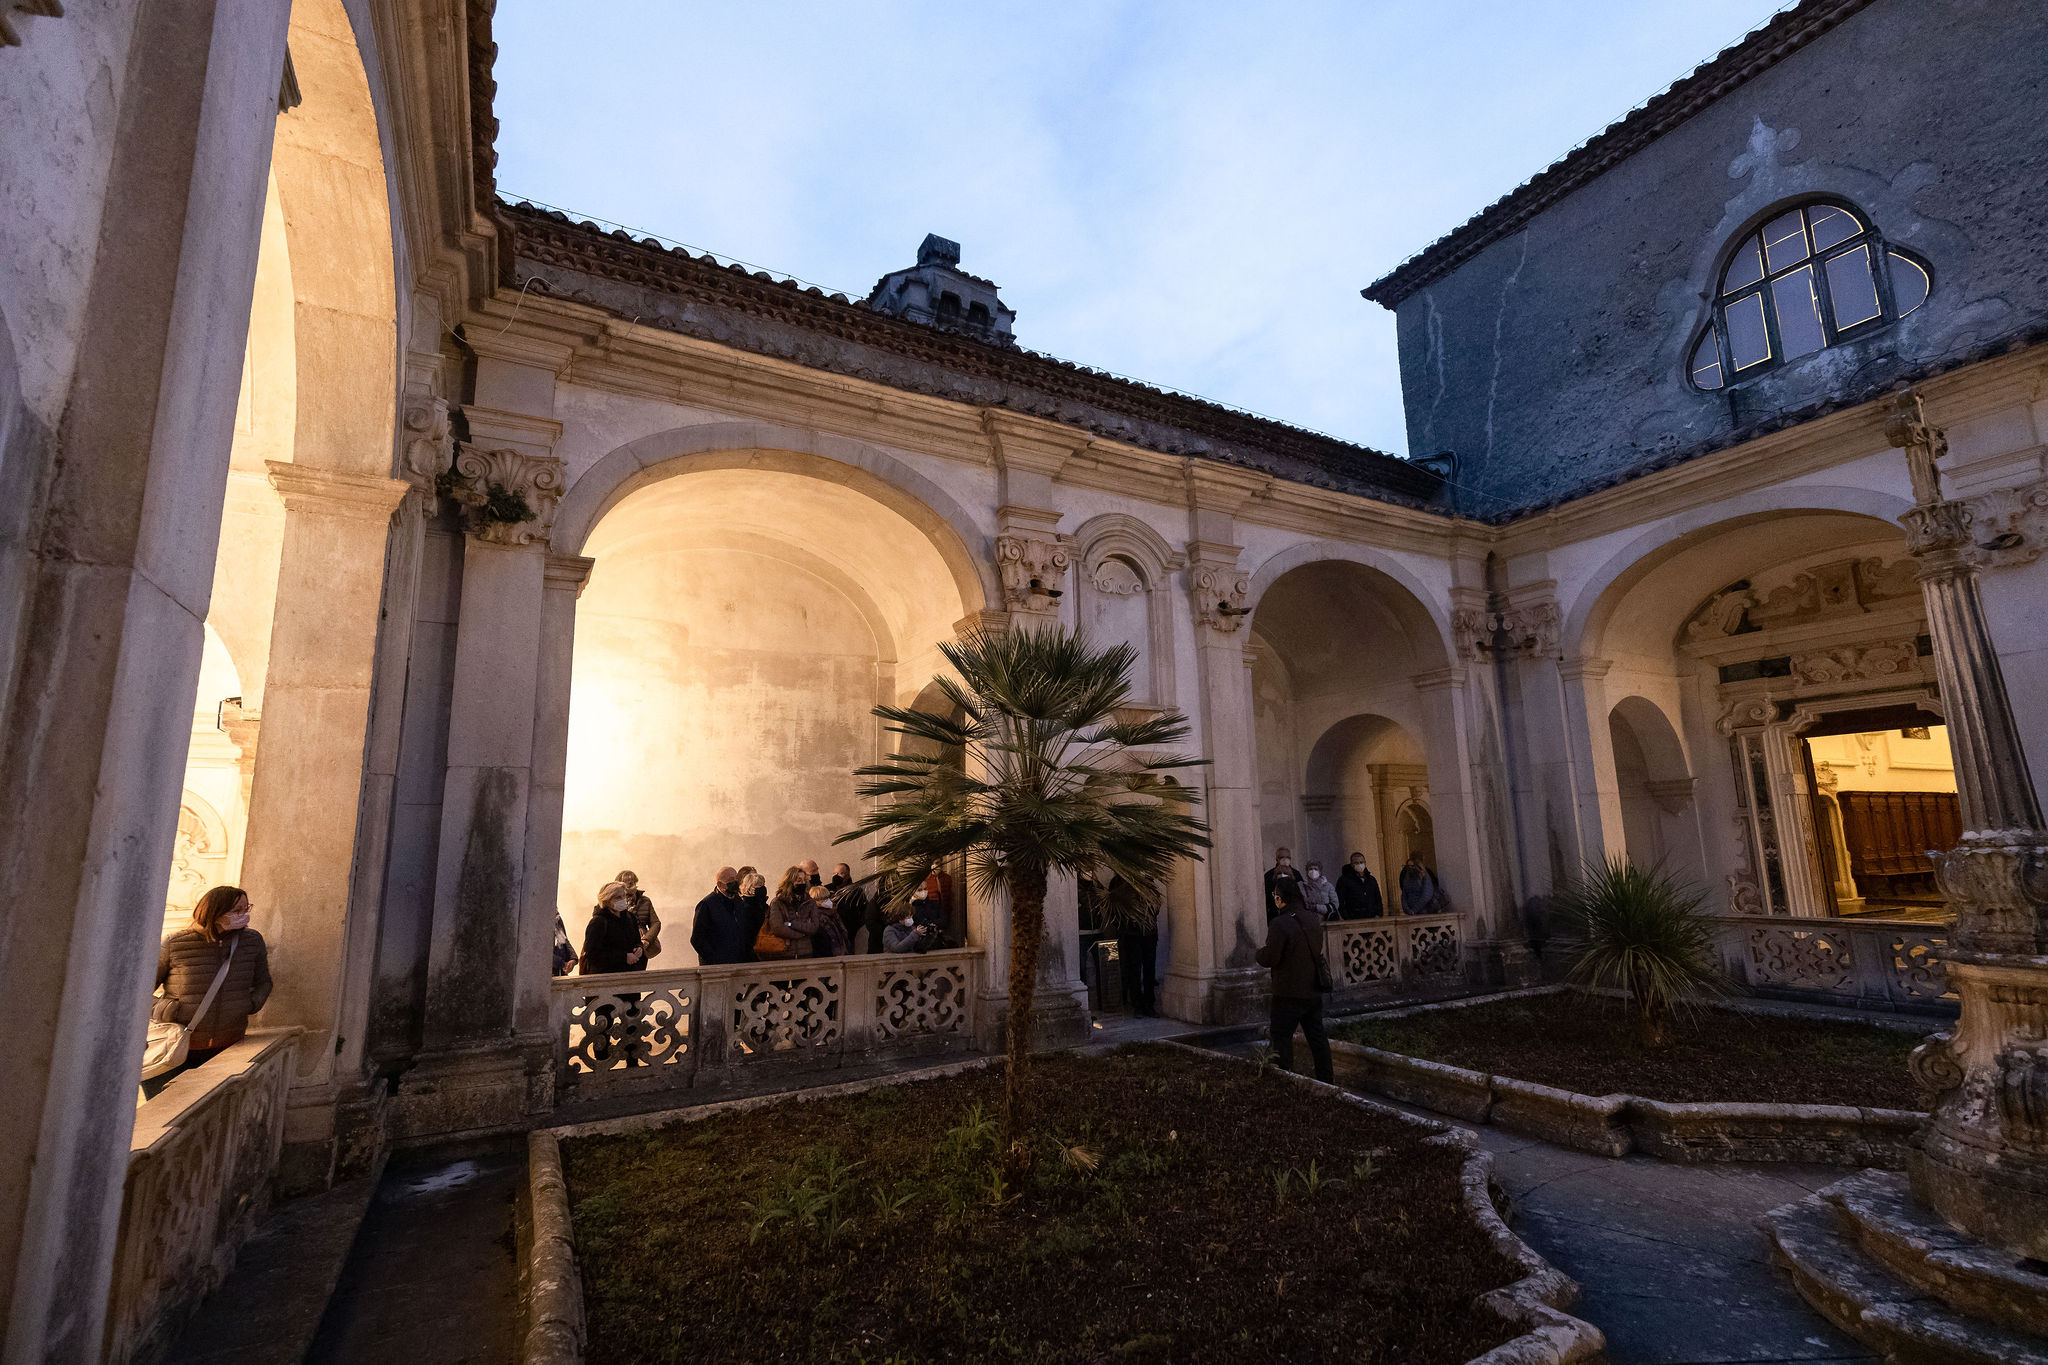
1982 1161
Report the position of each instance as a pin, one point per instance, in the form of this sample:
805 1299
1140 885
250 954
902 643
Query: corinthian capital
1219 590
507 498
1034 570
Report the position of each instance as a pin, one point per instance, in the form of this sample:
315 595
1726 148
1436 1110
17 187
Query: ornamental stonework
507 498
1856 663
1219 592
1033 570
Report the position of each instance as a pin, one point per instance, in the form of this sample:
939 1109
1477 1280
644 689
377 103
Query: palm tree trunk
1027 932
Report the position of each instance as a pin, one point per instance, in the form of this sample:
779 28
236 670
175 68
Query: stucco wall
1554 360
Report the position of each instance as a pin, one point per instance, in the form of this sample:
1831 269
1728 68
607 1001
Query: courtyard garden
1159 1205
1593 1045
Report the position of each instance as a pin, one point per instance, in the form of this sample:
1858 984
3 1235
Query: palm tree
1640 931
1052 781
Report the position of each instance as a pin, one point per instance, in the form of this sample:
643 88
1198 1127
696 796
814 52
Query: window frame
1721 298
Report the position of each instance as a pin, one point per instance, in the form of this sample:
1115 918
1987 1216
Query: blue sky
1188 192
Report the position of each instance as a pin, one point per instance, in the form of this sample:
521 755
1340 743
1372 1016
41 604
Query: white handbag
170 1044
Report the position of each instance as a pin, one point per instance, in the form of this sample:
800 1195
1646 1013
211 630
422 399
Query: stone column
1583 683
477 1072
1229 984
563 578
300 849
1982 1159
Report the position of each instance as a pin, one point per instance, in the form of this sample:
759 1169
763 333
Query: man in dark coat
719 931
850 901
1294 952
1358 891
1281 873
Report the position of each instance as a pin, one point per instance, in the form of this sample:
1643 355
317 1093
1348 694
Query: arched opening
1659 825
739 626
1347 732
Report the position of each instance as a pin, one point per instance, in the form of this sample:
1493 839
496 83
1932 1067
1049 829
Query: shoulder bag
170 1044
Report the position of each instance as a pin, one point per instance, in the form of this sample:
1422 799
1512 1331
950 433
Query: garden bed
1587 1044
1177 1207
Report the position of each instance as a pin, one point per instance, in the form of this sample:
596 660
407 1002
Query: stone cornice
336 493
567 573
1784 35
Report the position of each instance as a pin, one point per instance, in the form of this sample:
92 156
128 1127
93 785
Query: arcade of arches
423 583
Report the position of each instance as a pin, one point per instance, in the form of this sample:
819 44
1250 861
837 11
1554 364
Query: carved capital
1033 570
507 498
1471 631
1937 529
1935 1066
429 447
1219 592
1997 883
1529 628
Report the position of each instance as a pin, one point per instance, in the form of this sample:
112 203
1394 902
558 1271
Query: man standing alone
719 932
1294 951
1358 891
1280 875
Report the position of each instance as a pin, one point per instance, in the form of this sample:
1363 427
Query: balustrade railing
1392 956
1862 963
199 1175
697 1025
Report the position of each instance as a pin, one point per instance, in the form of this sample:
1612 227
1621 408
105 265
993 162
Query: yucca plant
1052 782
1639 931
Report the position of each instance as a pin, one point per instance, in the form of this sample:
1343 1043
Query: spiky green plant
1037 776
1640 931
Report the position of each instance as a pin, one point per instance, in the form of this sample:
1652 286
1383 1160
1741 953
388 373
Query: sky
1187 192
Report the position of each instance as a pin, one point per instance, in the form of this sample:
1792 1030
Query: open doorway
1884 801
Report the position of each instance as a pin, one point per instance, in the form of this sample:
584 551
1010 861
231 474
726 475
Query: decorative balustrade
199 1175
1863 963
1397 955
689 1026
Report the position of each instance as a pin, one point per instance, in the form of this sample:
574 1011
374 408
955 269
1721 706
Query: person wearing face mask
719 930
810 867
1358 891
1319 893
642 910
851 901
187 966
1279 877
612 942
1421 893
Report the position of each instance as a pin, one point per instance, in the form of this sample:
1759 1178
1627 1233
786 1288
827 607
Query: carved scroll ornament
1033 568
507 498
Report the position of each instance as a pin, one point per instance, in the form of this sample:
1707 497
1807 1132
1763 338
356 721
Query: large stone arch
761 445
1428 630
1594 602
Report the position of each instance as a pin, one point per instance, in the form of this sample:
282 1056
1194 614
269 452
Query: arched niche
1365 790
1124 597
741 620
1660 824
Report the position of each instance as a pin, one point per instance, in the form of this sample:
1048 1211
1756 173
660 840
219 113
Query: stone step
1877 1209
1853 1290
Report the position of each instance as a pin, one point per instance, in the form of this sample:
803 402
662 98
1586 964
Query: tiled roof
1784 35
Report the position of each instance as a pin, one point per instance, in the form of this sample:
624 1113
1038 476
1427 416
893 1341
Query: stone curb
554 1288
1536 1302
1615 1125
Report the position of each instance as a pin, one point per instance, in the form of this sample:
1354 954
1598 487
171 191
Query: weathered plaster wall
1554 360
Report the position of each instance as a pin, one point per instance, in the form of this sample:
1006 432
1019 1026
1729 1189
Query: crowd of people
742 921
1355 894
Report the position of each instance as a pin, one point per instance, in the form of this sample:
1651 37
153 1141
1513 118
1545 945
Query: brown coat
794 921
185 966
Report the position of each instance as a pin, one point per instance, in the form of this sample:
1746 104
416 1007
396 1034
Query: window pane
1851 289
1748 343
1746 268
1798 313
1831 225
1909 283
1785 240
1706 362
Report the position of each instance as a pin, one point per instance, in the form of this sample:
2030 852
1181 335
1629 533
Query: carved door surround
1785 867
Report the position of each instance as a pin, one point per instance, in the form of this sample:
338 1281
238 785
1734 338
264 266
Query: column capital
1217 587
507 497
1032 559
335 492
567 573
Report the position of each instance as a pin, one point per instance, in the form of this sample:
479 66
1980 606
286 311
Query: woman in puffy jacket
793 916
186 965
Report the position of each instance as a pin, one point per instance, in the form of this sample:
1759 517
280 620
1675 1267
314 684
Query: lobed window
1809 278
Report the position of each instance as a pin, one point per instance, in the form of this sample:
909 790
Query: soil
1176 1208
1589 1044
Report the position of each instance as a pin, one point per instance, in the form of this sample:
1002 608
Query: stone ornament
1845 587
1854 663
428 447
1219 592
911 1001
507 498
1531 629
1032 570
2010 525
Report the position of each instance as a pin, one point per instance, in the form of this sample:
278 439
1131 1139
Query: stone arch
1107 604
1594 603
1654 787
340 227
1428 630
760 445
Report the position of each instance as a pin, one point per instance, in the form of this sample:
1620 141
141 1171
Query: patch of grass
1145 1227
1591 1045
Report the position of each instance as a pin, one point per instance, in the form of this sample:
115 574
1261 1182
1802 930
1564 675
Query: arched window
1812 276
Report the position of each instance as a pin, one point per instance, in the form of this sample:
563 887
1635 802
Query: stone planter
1615 1125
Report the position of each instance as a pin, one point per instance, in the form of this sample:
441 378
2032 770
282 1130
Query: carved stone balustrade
1395 957
1859 963
696 1026
199 1177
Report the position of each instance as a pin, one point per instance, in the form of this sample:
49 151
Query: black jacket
1358 895
719 931
1294 940
607 941
1274 876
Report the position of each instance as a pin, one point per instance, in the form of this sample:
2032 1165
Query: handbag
170 1044
769 944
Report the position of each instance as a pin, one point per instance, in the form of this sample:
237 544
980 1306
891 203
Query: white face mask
1358 867
1285 862
622 905
1315 874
